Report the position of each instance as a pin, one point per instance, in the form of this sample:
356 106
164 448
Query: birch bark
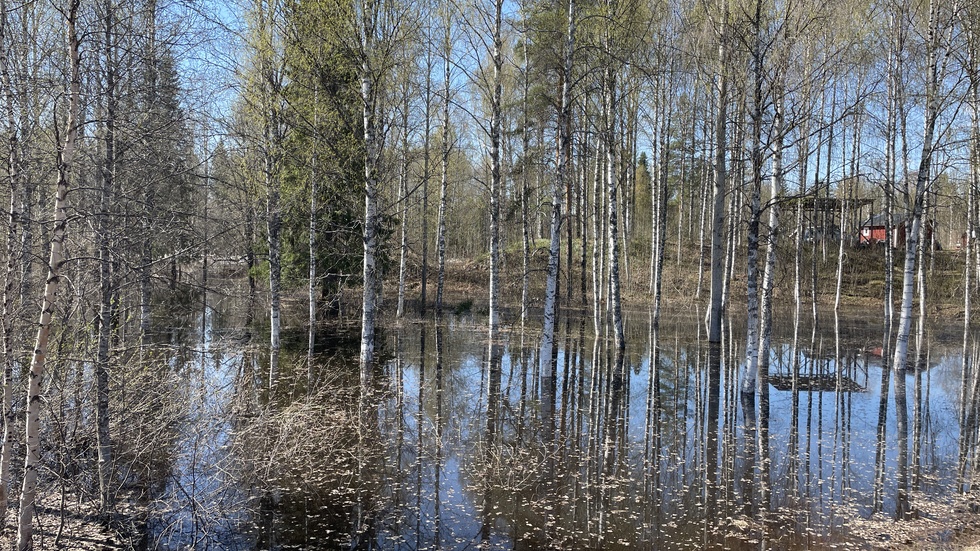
752 254
66 156
367 19
12 248
912 242
561 175
718 190
444 181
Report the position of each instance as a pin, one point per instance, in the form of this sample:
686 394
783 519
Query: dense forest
330 160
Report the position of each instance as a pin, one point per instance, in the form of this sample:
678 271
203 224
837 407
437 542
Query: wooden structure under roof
821 217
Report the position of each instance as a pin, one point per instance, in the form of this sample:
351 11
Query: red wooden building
873 232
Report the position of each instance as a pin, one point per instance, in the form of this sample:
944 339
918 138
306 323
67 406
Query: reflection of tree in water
458 445
313 468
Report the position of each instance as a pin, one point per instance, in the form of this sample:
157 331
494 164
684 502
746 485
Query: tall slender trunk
10 277
610 112
804 154
583 210
560 183
890 178
271 142
571 201
149 192
922 183
660 222
706 173
403 201
755 200
496 182
658 151
615 304
597 214
765 306
369 300
425 181
312 228
718 191
444 182
274 227
106 200
66 154
845 198
968 246
525 190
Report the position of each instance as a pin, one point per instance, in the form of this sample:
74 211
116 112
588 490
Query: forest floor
945 524
862 284
64 522
948 525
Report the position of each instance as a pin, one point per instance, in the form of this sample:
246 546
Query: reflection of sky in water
199 508
831 425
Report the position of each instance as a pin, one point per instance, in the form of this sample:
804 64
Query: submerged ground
452 446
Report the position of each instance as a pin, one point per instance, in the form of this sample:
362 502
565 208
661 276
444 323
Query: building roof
878 221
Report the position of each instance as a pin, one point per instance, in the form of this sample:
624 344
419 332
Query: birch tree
105 257
562 169
266 80
496 177
66 158
718 190
610 137
13 182
937 51
973 73
447 45
755 206
367 25
403 197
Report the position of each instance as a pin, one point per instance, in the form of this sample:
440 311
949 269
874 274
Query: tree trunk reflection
653 447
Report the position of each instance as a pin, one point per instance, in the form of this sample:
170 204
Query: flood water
454 444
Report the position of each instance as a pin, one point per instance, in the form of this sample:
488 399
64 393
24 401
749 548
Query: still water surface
454 444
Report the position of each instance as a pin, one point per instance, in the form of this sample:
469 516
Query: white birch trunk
891 165
403 201
525 193
912 242
271 136
12 249
752 253
423 298
765 320
370 236
968 246
65 159
706 173
718 190
560 182
495 175
314 189
444 181
597 240
615 303
660 221
655 184
274 227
